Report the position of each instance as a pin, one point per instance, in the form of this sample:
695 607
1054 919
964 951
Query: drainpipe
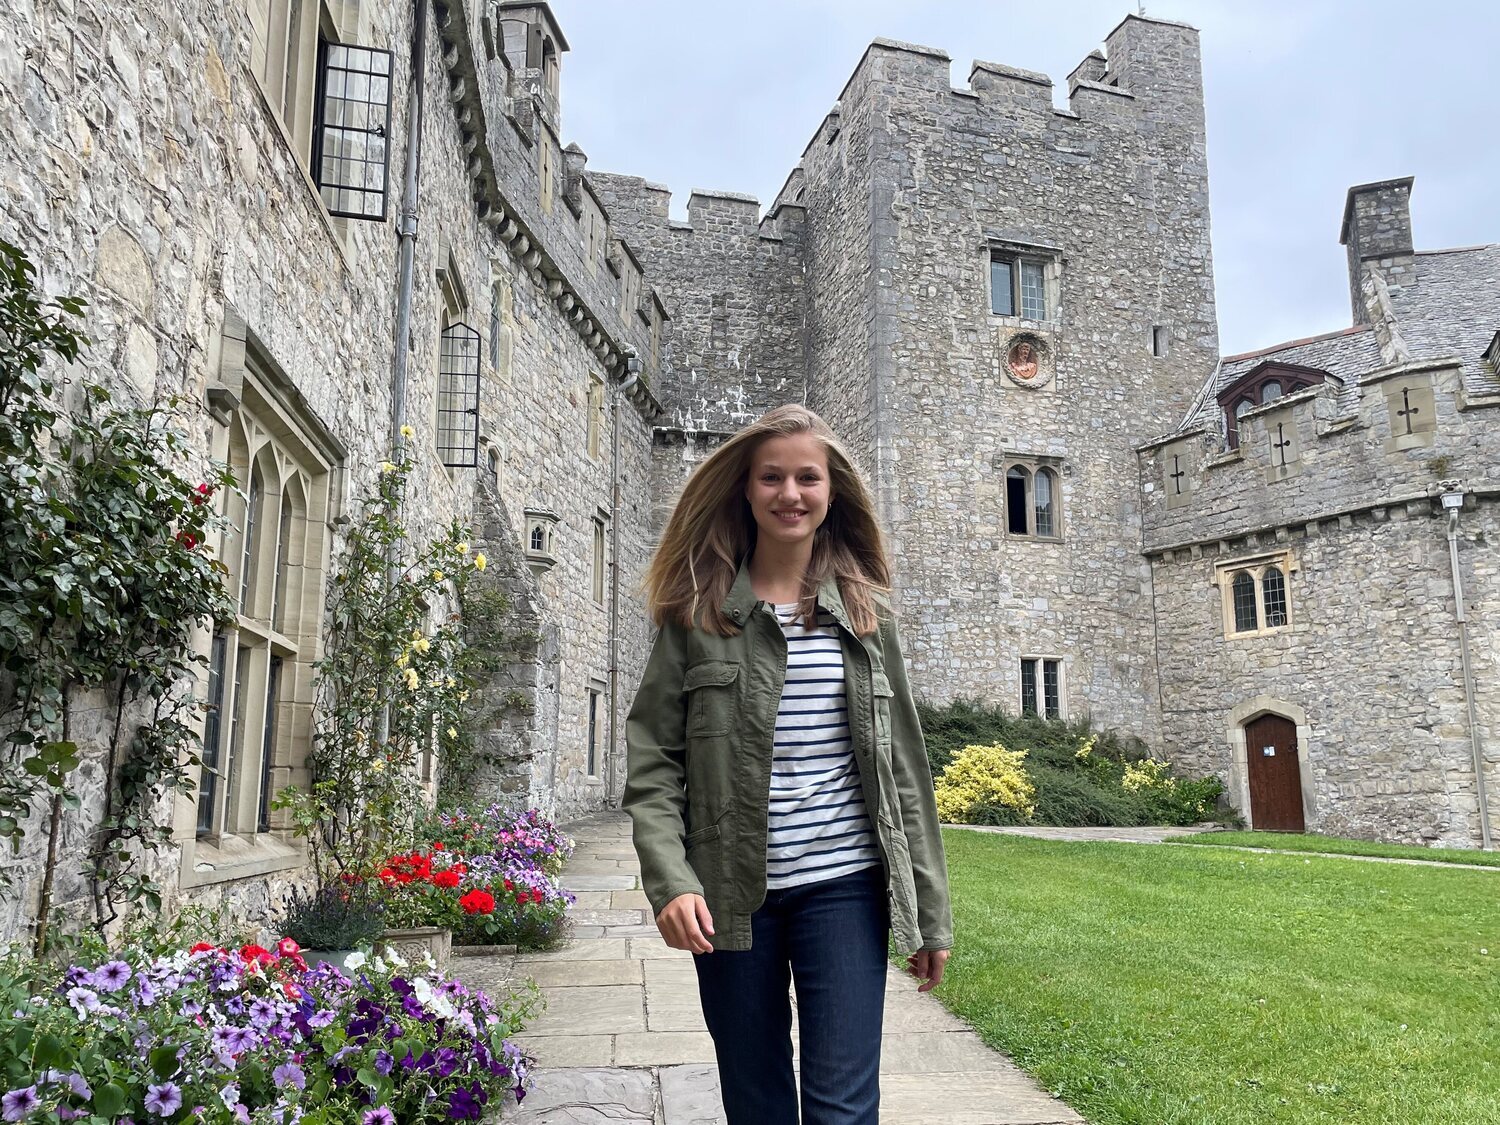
611 780
1453 501
407 232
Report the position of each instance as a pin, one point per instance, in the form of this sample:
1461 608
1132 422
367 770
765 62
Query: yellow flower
452 733
412 679
403 659
437 575
463 548
479 561
387 467
452 682
378 764
463 696
422 645
407 432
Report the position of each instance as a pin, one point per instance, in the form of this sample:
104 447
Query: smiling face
788 487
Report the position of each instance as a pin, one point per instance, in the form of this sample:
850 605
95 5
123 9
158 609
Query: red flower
287 947
437 845
251 954
536 894
202 493
187 539
461 868
509 886
202 947
478 902
445 879
521 898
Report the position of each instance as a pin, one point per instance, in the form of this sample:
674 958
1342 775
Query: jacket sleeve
655 792
919 815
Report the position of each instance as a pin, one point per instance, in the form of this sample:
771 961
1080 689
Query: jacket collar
741 598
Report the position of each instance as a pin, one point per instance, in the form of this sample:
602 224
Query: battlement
731 208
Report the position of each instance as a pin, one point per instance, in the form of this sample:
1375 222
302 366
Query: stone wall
931 179
144 169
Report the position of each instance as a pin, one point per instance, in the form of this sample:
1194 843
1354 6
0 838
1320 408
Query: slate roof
1453 309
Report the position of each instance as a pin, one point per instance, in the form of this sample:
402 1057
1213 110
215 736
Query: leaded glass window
1273 595
1033 292
1042 486
458 397
1028 687
352 130
1002 288
1244 602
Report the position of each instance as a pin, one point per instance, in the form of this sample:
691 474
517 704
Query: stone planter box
337 957
484 951
415 943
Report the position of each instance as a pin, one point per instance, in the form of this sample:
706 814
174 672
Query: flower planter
339 957
417 942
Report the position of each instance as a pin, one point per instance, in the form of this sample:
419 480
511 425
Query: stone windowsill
205 863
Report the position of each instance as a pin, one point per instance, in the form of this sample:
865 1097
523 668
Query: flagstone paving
622 1040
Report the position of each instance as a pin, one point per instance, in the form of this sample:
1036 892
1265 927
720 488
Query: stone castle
1006 308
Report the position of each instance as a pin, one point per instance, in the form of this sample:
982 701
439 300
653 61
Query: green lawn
1181 986
1308 842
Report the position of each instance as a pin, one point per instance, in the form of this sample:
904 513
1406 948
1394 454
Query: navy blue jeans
829 938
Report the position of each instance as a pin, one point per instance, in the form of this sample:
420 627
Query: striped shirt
818 826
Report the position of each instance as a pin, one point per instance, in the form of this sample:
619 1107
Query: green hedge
1070 791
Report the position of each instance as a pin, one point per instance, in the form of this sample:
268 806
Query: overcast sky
1304 97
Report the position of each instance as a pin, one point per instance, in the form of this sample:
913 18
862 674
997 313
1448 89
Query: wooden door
1275 777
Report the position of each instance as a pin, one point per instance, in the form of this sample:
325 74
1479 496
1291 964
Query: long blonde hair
712 528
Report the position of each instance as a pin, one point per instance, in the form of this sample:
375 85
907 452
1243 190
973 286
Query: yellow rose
479 561
437 575
423 645
407 432
401 661
412 679
387 467
378 764
452 733
463 548
463 696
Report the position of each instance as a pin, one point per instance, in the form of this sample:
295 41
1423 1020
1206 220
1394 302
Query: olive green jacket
699 738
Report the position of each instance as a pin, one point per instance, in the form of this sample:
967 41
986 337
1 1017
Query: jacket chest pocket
881 691
710 688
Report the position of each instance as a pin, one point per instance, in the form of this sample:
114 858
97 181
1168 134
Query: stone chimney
1377 234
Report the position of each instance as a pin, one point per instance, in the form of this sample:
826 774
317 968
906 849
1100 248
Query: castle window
592 766
598 568
1031 502
1041 687
1264 383
1018 286
541 553
1255 594
1159 337
595 423
256 732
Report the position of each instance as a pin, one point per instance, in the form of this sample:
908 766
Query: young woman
778 782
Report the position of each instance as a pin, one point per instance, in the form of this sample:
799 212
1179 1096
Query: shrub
515 837
1079 776
988 780
333 917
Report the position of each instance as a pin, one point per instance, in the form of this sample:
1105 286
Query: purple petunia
84 1000
164 1100
111 976
381 1116
289 1074
18 1104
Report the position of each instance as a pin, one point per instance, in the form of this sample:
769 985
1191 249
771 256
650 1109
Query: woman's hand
928 965
684 921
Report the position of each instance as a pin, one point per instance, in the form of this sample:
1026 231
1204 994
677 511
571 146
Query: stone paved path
623 1041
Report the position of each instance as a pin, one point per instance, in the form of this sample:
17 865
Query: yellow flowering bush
980 778
1148 773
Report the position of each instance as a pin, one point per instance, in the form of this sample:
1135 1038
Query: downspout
407 232
1453 500
611 780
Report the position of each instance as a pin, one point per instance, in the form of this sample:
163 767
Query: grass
1309 842
1182 986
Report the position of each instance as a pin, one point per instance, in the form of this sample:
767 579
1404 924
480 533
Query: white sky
1305 98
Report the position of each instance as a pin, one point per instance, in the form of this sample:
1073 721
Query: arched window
249 546
1017 484
538 539
1270 391
1043 490
1273 596
1244 602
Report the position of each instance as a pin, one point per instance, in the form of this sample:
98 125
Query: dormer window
541 552
1259 386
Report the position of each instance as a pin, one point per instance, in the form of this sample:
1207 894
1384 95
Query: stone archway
1285 794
